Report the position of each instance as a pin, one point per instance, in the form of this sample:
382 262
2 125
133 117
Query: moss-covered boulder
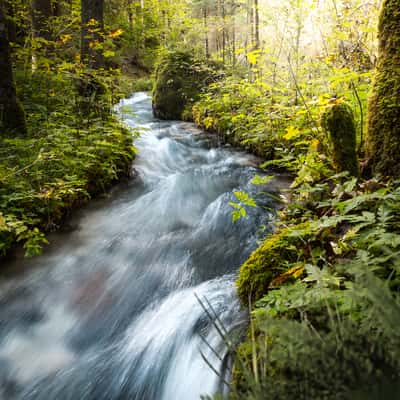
338 123
179 79
383 134
270 263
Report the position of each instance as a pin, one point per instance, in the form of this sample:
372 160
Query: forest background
289 81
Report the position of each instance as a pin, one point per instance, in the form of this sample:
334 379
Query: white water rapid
109 311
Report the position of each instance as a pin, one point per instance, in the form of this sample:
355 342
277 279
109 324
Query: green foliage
241 113
321 342
333 329
142 85
244 200
266 117
67 157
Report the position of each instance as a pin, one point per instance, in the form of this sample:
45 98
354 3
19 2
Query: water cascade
109 311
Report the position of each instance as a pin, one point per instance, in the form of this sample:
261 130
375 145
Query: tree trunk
206 42
92 27
251 23
129 6
233 8
383 135
11 26
42 11
257 25
62 7
12 116
223 11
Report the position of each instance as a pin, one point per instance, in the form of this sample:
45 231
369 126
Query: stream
109 311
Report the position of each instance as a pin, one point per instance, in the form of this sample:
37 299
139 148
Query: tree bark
12 116
257 25
223 11
383 134
206 41
251 23
10 15
62 7
92 27
233 12
129 6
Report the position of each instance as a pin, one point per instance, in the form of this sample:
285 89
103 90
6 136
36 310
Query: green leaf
245 199
261 180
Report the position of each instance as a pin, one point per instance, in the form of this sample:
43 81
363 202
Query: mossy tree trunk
383 135
92 27
12 116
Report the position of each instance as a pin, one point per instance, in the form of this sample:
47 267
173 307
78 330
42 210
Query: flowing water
109 311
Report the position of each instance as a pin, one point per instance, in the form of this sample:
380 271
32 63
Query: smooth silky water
109 311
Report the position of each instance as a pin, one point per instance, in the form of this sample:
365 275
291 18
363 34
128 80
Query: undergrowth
323 289
76 148
324 298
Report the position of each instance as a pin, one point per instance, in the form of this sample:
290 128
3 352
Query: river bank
65 160
310 329
308 274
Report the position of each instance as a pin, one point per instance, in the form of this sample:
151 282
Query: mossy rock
269 261
179 79
338 123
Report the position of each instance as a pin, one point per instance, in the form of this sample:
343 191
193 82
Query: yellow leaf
208 122
116 33
291 132
65 38
3 223
314 144
92 22
293 273
253 56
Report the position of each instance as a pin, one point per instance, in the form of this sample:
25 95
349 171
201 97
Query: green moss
270 260
178 83
383 135
338 123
